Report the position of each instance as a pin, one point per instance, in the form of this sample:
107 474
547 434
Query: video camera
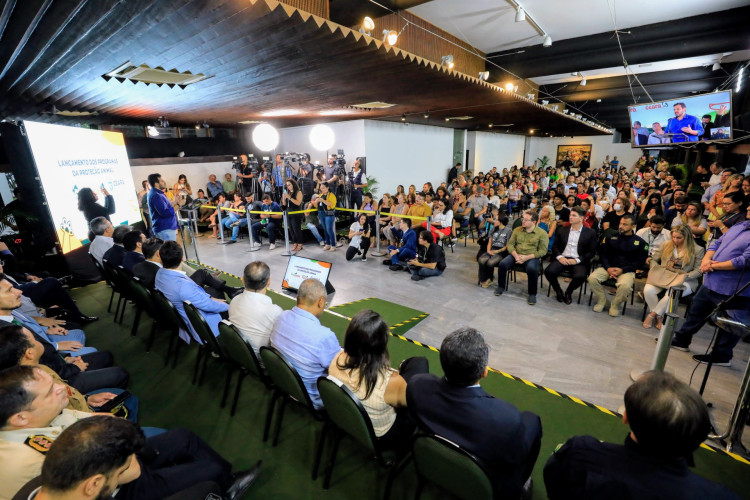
252 162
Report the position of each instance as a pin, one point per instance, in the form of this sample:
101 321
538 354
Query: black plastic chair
240 356
168 318
106 278
144 303
519 268
345 415
288 386
209 347
110 274
450 467
125 282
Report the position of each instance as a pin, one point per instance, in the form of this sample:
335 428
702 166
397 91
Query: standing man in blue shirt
163 217
725 267
307 344
685 127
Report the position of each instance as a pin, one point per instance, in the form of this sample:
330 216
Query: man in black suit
455 407
115 254
572 251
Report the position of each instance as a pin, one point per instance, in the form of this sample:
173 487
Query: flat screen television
300 268
682 121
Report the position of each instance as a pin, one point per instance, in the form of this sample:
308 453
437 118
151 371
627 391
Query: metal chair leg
230 372
269 414
332 459
136 321
279 420
240 379
319 452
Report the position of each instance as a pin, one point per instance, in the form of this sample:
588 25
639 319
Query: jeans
270 228
402 257
530 266
704 302
167 235
424 272
329 227
314 230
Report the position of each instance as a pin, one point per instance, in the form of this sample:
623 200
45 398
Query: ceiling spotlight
368 23
447 61
531 131
197 126
509 87
205 124
484 75
598 100
390 37
426 115
716 66
403 117
490 125
547 41
545 102
520 15
447 119
566 111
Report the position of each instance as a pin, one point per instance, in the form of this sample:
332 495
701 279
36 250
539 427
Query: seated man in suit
572 251
34 416
299 336
406 250
133 242
668 421
455 407
115 254
177 287
146 272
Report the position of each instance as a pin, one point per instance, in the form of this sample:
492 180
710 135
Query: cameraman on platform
245 172
358 181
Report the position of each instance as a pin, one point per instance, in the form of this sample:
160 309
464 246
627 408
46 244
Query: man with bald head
308 345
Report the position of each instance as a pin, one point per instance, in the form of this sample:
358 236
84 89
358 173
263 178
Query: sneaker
364 258
339 244
272 246
454 240
679 346
531 300
322 243
486 284
332 249
705 358
499 292
256 244
416 277
326 247
230 242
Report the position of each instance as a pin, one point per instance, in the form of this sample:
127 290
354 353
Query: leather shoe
234 291
87 319
387 262
527 489
560 296
242 481
568 299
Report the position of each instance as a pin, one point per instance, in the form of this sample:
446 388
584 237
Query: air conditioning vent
459 118
367 106
156 76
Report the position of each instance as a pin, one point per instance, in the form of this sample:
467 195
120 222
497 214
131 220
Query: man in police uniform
33 414
668 420
620 255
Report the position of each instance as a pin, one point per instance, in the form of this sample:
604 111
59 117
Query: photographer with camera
245 172
358 181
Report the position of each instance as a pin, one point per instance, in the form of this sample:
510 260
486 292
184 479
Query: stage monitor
71 158
300 268
682 121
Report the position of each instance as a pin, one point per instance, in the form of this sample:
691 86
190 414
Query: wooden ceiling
263 56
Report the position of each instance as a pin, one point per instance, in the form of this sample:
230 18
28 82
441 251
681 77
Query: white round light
322 137
265 137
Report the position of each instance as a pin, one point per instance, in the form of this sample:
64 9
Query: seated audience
252 311
668 421
562 213
359 236
620 254
430 260
654 234
364 367
676 262
233 220
574 248
307 344
442 220
34 412
214 187
479 203
68 342
611 220
86 372
177 288
132 242
496 250
527 245
732 213
267 221
504 440
548 223
407 249
115 254
673 216
102 229
693 218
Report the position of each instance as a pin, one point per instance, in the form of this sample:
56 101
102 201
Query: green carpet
168 399
399 318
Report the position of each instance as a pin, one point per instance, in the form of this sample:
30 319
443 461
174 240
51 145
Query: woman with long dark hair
364 367
87 203
292 198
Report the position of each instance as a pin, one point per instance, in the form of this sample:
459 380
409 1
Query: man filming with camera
358 181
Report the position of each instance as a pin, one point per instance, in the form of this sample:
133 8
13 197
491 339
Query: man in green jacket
527 245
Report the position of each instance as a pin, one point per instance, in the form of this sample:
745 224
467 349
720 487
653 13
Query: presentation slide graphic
299 269
69 159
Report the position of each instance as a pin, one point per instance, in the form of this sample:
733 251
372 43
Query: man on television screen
720 133
640 134
684 127
707 125
657 136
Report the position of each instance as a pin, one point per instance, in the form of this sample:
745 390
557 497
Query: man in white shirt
716 171
252 311
654 234
102 230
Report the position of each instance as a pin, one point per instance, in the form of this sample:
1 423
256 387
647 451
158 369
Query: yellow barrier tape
311 210
358 211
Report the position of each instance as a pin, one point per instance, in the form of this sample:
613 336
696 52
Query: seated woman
677 262
548 223
442 220
221 202
496 250
694 219
359 238
364 367
590 220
